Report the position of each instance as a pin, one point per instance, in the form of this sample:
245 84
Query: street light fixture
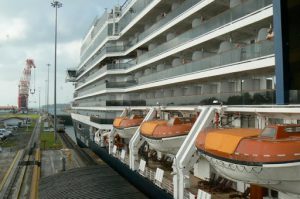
56 5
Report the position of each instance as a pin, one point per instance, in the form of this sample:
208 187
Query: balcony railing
124 21
210 25
134 11
97 24
232 56
104 50
125 103
230 98
88 51
186 5
105 86
92 90
120 84
108 67
101 120
251 51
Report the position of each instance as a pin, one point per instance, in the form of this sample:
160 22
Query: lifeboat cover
148 128
227 140
117 121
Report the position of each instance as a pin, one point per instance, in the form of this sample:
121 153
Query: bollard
63 161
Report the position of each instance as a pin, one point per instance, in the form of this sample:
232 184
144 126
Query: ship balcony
96 26
106 85
262 49
125 20
186 5
182 10
250 97
104 69
206 27
135 10
126 103
100 37
75 94
106 49
71 75
240 54
99 120
109 103
121 84
103 28
211 25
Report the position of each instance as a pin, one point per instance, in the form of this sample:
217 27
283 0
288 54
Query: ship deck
88 182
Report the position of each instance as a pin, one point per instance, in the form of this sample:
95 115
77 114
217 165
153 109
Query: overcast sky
27 31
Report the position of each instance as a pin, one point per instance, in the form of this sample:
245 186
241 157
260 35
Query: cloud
27 31
70 52
12 29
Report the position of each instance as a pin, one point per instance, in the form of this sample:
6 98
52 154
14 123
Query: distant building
8 109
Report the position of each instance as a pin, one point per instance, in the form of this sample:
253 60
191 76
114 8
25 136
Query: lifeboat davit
127 126
269 157
166 136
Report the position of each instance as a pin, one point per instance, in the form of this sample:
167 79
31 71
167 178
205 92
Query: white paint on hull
166 145
282 177
126 132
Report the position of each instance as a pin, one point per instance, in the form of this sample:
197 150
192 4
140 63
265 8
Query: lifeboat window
268 132
295 129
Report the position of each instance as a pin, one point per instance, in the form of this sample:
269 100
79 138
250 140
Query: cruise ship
154 74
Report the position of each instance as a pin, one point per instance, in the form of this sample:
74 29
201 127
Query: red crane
24 86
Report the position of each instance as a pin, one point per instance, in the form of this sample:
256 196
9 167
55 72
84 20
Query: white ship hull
126 132
283 177
166 145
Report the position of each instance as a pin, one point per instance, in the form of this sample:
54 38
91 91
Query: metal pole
55 4
46 105
48 90
39 101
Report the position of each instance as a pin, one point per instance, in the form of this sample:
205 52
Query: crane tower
24 86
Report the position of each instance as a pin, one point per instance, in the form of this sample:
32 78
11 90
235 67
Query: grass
32 116
47 141
14 140
8 143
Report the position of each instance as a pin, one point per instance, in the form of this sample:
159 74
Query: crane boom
24 85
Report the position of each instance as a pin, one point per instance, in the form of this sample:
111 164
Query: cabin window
269 132
294 129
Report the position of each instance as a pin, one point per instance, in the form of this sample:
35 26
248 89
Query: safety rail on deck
166 184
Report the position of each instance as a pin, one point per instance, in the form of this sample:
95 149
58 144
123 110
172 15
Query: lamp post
39 101
56 5
48 90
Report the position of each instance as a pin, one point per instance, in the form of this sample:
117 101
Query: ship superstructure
148 56
160 51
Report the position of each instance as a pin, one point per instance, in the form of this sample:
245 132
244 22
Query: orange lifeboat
166 136
127 126
269 157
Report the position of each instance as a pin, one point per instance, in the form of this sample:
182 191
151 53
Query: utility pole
56 5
